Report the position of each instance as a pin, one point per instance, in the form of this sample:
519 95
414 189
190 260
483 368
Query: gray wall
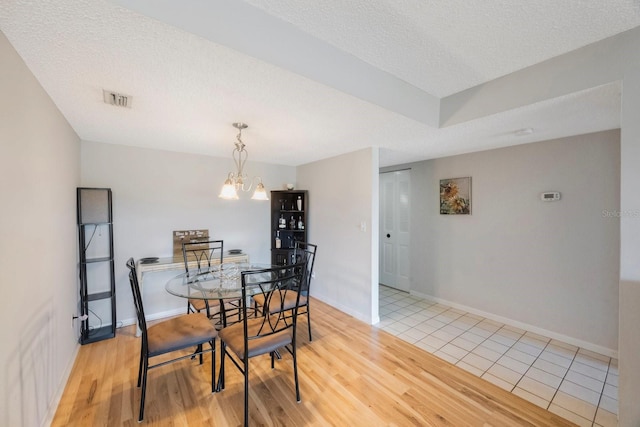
39 173
343 196
550 265
156 192
629 338
614 59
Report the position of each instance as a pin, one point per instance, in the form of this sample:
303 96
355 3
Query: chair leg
223 314
141 361
295 370
213 365
246 392
223 354
207 309
309 322
144 388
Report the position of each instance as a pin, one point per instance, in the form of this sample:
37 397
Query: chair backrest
269 281
205 254
306 252
137 297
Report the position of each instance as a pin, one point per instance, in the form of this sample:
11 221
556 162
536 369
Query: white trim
531 328
356 314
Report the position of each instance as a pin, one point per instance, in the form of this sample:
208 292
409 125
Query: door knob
388 235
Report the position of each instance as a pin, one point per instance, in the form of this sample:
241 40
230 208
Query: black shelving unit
97 274
293 206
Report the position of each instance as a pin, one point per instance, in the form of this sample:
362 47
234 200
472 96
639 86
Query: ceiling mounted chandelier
237 181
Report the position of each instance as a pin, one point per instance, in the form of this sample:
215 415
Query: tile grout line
504 354
597 406
493 363
604 384
563 376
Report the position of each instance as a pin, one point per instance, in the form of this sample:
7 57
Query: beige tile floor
577 384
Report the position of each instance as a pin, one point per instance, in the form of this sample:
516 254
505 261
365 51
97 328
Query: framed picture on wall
455 196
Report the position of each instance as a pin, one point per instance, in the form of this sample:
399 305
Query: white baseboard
535 329
345 309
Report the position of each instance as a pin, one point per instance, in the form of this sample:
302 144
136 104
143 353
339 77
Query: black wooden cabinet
97 276
289 223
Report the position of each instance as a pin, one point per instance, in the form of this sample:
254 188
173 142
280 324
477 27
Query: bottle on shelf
289 223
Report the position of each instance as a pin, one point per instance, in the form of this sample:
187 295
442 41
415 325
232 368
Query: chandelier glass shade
238 180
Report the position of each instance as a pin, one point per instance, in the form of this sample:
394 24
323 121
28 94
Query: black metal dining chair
303 252
262 335
206 255
172 335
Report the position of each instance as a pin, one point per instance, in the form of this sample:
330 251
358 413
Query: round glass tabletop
219 282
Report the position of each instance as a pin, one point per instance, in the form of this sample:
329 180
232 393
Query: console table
176 263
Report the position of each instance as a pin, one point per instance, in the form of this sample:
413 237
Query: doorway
394 255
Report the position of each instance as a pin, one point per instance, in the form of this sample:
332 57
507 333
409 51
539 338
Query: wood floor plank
351 374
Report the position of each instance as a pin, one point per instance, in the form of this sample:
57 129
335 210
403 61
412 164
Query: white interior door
395 229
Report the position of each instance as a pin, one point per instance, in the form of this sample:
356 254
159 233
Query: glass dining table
221 282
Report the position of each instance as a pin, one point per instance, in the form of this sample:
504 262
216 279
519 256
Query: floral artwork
455 196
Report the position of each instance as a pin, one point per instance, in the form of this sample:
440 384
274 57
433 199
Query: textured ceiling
446 46
189 82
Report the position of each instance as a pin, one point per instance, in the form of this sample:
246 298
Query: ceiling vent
117 99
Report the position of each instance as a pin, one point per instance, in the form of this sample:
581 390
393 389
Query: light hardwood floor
351 374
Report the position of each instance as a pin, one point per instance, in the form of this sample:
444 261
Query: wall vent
117 99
